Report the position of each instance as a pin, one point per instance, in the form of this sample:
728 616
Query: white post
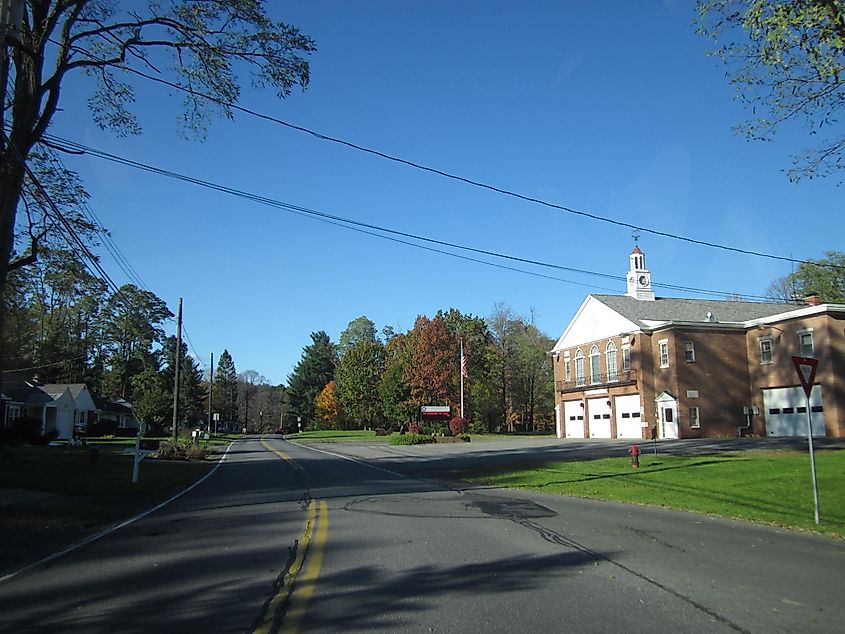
812 460
137 458
462 377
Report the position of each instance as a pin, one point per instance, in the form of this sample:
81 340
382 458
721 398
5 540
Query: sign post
806 369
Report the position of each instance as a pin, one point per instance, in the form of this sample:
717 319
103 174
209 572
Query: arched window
610 360
595 365
579 367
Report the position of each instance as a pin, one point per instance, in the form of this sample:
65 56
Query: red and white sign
806 369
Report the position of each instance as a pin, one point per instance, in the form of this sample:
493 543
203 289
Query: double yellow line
298 585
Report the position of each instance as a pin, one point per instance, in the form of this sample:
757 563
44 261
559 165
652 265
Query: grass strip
772 487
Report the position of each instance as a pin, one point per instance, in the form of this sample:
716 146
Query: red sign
806 369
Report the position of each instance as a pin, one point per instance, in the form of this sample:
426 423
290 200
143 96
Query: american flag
464 361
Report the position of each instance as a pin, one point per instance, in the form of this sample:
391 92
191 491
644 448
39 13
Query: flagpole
462 377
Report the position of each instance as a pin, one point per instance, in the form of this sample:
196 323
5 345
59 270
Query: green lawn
772 487
351 435
78 496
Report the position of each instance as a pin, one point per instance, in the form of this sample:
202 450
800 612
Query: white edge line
349 458
116 527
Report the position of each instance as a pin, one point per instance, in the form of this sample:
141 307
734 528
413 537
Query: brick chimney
814 299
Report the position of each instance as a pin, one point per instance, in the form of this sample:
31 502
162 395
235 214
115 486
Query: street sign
806 369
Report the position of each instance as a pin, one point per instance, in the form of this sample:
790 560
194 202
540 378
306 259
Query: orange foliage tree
434 354
327 408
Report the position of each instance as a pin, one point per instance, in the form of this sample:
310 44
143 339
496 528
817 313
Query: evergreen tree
225 394
313 372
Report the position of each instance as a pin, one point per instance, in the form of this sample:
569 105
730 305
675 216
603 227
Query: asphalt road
377 542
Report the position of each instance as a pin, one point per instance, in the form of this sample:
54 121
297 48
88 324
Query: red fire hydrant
635 456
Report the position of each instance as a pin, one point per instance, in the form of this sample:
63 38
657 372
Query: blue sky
614 110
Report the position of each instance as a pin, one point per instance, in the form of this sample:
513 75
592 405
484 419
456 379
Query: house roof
75 388
669 309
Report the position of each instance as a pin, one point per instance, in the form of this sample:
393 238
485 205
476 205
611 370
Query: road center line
299 602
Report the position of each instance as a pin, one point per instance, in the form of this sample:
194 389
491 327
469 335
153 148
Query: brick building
628 365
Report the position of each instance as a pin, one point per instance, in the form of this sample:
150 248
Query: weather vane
636 236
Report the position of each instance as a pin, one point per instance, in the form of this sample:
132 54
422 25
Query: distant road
389 548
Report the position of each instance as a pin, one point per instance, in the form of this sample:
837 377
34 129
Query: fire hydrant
635 456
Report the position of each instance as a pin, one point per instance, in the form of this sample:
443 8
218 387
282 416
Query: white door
628 419
573 419
785 411
668 420
599 411
558 429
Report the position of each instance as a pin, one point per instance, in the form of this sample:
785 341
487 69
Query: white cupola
639 279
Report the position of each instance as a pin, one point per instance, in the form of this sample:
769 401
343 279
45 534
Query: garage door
628 419
599 411
785 411
573 419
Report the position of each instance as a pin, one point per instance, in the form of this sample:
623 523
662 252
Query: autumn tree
786 59
434 354
327 408
530 375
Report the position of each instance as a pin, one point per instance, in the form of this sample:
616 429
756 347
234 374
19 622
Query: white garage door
785 411
573 419
628 419
599 411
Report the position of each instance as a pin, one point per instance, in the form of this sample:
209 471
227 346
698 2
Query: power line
443 173
371 229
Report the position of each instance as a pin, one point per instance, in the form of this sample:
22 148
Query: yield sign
806 368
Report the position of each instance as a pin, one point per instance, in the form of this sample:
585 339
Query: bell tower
639 278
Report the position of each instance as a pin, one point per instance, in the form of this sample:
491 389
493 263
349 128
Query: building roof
75 388
665 309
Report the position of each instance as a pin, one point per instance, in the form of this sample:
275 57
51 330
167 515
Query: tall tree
786 59
395 393
132 325
311 374
205 42
824 277
358 330
225 394
359 374
530 375
500 322
434 355
248 382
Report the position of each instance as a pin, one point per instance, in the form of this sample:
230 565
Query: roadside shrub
381 431
414 428
410 439
477 427
441 430
195 452
426 431
458 425
172 450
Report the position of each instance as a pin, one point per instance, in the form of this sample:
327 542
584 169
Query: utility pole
178 353
210 389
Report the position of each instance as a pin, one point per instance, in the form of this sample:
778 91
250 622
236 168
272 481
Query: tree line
373 379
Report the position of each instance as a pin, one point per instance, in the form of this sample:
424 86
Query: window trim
694 417
663 346
610 361
771 353
595 365
580 378
804 332
689 351
626 358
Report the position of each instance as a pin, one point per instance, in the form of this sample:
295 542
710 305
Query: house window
626 359
566 370
14 413
765 350
610 360
664 353
689 352
579 367
805 343
694 420
595 365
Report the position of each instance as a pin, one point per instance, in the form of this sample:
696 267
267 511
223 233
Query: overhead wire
372 229
455 177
